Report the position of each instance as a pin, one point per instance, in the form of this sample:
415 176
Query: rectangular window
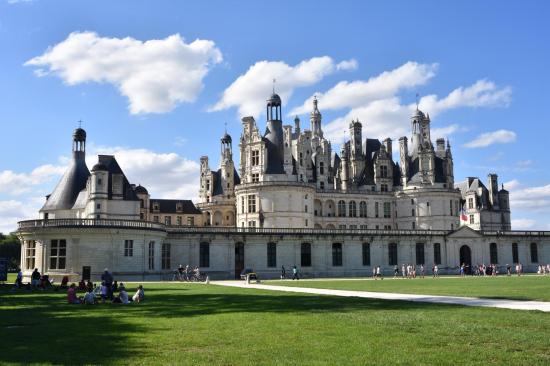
470 203
242 204
252 224
271 255
387 210
363 227
383 188
392 254
321 168
353 227
156 219
534 253
98 206
255 177
419 253
383 171
437 253
413 212
58 254
515 253
178 220
493 253
204 255
322 185
30 255
167 220
451 208
366 254
128 248
151 255
251 203
376 214
336 254
255 157
165 256
472 221
341 226
305 255
414 225
190 221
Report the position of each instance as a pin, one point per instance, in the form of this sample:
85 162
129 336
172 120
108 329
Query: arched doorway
466 258
239 259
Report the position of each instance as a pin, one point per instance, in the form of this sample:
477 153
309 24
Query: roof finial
79 123
417 95
274 81
225 127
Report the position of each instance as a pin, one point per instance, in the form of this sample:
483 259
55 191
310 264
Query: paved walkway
436 299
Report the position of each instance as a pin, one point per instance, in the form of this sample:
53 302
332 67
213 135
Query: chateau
291 201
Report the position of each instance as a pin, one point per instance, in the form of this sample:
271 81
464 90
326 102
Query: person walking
295 273
283 272
395 271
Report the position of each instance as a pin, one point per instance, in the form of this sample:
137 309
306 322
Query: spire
417 95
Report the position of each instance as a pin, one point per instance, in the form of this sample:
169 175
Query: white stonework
292 201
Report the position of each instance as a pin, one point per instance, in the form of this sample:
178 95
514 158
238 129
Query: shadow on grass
40 327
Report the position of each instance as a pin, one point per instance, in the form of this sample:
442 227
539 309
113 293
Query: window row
352 209
179 220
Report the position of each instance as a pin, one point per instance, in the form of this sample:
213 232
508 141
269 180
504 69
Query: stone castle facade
291 200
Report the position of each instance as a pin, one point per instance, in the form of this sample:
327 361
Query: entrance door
466 258
239 259
86 273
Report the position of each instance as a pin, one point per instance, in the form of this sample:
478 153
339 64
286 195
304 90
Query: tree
10 248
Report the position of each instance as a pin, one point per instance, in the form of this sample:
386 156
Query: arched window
204 255
352 209
362 209
392 254
341 208
305 255
336 254
366 254
437 253
493 253
534 253
271 255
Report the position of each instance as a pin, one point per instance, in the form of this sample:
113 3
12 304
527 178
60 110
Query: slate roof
128 193
73 181
170 206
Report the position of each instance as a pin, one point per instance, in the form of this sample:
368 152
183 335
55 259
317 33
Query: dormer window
155 206
179 207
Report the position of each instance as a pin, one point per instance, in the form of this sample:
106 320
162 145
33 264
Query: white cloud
13 211
490 138
377 103
359 93
165 175
446 131
13 2
154 75
522 224
482 93
347 65
14 183
512 185
251 89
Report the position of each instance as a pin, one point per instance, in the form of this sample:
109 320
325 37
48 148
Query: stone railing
297 231
102 223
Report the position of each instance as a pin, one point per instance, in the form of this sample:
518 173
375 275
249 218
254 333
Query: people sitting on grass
35 278
18 280
64 282
104 291
122 297
139 295
89 298
107 277
71 295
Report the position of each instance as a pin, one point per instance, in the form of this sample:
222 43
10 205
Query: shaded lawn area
199 324
500 287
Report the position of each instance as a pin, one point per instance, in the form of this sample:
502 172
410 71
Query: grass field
199 324
501 287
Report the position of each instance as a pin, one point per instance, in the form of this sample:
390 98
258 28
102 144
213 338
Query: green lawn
199 324
519 288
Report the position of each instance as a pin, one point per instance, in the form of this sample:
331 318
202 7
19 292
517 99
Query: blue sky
157 98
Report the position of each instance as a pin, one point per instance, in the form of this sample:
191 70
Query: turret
315 120
274 136
99 192
297 126
404 159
